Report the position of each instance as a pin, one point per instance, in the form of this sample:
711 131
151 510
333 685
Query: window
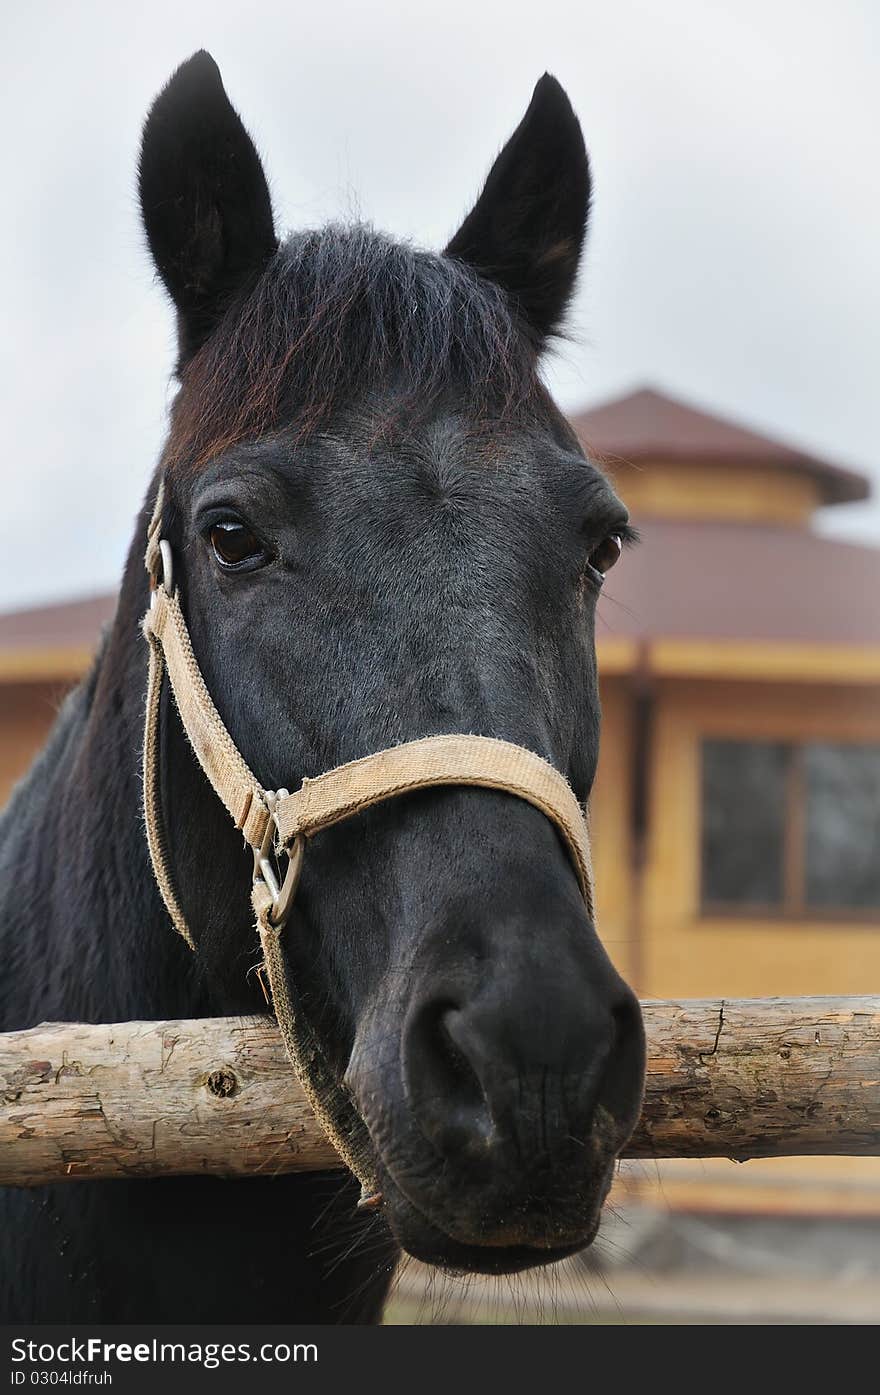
790 829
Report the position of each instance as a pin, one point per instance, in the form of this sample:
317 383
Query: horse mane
338 313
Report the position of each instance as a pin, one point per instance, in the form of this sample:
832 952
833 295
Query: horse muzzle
499 1082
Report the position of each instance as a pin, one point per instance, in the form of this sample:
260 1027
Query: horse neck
83 932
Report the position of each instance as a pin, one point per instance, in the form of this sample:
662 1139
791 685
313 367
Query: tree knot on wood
222 1082
19 1079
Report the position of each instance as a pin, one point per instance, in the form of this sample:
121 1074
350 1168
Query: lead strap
330 1101
156 840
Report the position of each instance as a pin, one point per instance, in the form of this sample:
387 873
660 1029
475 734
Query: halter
277 825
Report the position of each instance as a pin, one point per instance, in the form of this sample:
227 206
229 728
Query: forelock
339 314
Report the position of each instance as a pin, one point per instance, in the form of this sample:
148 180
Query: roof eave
836 485
770 661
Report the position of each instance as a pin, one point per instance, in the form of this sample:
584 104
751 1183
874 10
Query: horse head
383 528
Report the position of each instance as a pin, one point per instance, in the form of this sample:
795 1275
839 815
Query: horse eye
603 557
234 544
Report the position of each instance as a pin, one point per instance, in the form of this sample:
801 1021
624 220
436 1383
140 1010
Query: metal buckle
283 891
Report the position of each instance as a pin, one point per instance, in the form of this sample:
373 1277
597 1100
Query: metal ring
283 902
283 895
167 566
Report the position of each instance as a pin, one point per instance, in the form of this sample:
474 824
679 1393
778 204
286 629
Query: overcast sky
732 257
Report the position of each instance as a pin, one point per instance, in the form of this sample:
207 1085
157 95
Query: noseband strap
277 825
483 761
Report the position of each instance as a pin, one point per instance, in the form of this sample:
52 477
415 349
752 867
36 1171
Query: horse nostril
491 1087
463 1079
620 1087
445 1091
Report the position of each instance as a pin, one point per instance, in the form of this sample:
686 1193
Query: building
736 815
43 652
736 812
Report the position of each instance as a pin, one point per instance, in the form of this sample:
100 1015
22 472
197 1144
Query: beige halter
278 824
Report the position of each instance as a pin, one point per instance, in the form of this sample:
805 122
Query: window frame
794 907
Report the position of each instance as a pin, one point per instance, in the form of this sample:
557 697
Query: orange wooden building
736 815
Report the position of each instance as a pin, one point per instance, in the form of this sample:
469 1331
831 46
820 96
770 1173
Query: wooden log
740 1079
761 1078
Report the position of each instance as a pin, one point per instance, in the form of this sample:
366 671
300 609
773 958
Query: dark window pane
843 825
743 822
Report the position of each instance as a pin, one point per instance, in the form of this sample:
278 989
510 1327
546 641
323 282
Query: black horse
384 529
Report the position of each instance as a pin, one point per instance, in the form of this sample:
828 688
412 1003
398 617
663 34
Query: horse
383 529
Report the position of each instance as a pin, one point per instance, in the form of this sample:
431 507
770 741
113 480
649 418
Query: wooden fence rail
761 1077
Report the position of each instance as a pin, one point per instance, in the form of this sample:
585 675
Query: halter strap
482 761
280 823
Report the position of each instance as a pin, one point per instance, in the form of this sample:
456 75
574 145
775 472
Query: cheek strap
276 826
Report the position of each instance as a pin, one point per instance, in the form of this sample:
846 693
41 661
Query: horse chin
484 1254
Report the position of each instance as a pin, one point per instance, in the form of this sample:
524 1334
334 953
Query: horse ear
527 228
204 199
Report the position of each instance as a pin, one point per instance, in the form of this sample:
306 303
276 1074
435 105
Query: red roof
697 579
649 426
68 625
686 578
703 579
